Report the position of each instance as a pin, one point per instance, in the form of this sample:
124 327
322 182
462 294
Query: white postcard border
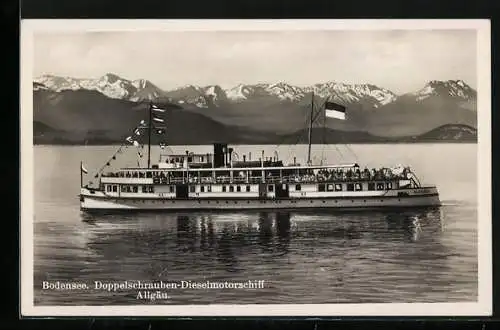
483 307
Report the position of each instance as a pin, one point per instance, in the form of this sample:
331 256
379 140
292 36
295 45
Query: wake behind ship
218 181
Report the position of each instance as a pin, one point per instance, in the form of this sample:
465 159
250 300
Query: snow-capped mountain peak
449 88
238 92
109 84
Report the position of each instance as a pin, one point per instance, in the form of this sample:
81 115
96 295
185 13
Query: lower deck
394 198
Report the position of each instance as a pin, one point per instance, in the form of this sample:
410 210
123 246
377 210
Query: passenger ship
216 181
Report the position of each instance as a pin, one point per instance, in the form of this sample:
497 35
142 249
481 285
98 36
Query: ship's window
380 186
238 188
298 187
371 186
177 160
201 159
108 188
389 185
129 189
329 187
191 189
144 189
151 189
223 188
202 188
358 187
171 189
115 188
270 188
321 187
148 175
338 187
231 188
123 189
209 188
135 189
248 188
350 187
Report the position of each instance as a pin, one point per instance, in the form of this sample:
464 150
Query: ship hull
93 203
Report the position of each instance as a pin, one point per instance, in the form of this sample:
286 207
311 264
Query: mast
310 130
149 134
81 174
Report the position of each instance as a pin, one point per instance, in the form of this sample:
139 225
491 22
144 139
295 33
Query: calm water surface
426 255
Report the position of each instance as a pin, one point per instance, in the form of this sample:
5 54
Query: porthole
364 200
336 201
323 202
311 202
352 200
235 202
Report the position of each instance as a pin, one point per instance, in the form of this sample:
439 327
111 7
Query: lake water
425 255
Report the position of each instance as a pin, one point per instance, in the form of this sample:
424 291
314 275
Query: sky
399 60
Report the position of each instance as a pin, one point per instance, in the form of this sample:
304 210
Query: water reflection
391 252
232 235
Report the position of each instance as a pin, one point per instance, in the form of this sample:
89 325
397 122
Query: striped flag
137 131
155 108
83 169
129 140
334 110
158 119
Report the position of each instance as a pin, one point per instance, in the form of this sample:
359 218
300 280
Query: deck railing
292 179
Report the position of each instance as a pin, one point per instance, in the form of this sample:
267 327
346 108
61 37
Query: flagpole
310 130
81 174
149 131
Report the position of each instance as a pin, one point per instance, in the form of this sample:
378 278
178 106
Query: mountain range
103 110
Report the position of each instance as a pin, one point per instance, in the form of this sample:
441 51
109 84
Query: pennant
129 139
158 119
160 131
107 164
143 122
334 110
137 132
162 145
155 108
136 143
114 157
96 176
83 169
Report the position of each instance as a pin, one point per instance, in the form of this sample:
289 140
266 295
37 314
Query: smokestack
231 157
